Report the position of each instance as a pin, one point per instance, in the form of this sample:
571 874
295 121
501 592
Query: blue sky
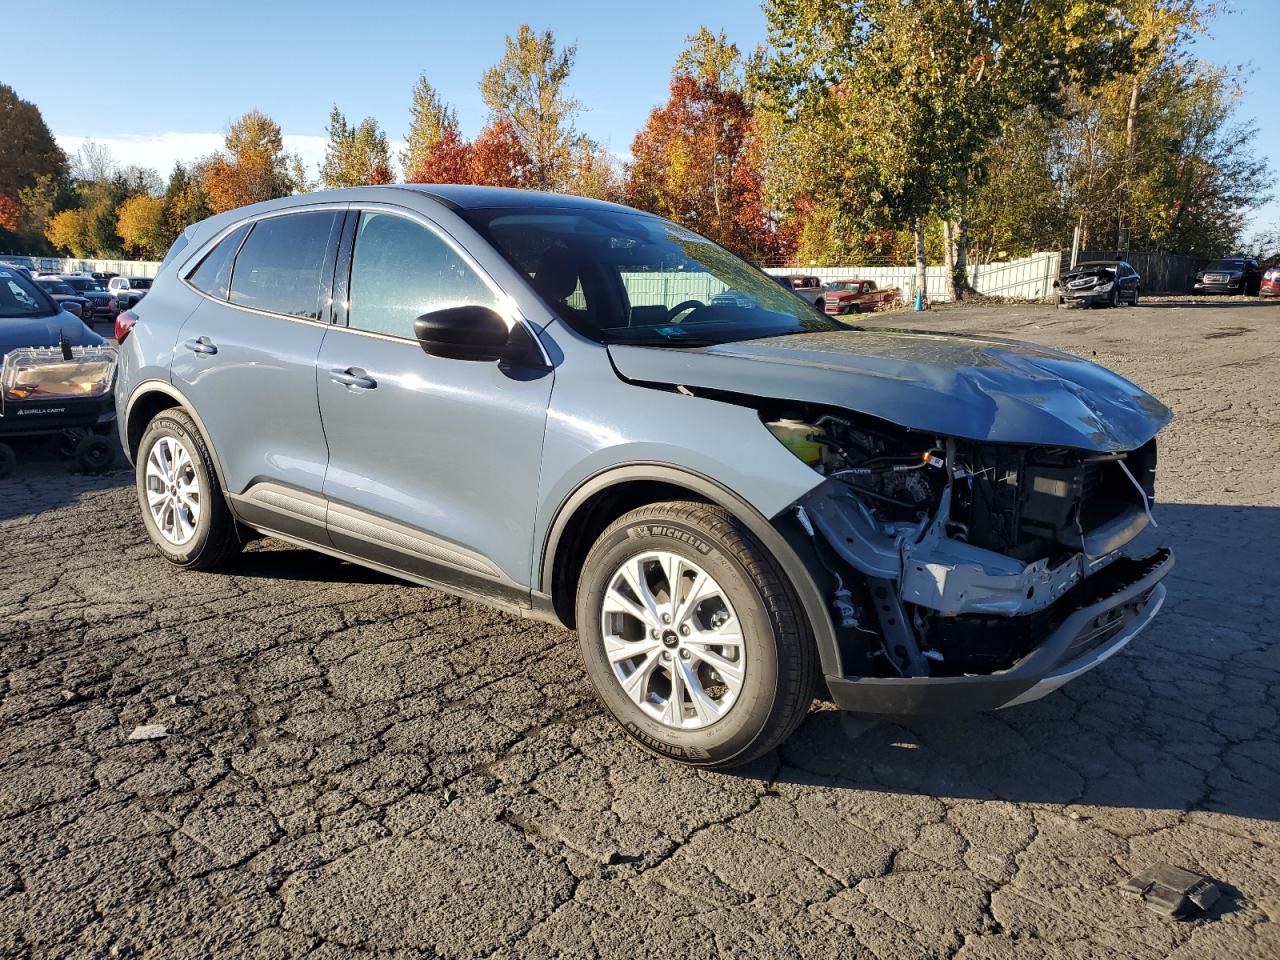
182 74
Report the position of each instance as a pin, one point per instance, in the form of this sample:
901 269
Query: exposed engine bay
954 558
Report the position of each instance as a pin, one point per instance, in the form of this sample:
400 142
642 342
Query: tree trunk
1126 195
949 259
921 262
960 270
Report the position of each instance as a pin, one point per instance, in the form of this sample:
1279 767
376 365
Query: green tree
431 121
951 75
527 89
356 155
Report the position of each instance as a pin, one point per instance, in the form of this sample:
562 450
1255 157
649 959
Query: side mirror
474 333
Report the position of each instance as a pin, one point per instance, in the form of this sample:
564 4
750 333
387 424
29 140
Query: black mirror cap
474 333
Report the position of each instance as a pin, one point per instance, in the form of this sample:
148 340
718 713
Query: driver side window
401 270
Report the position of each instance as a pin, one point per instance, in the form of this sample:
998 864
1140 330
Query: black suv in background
1230 275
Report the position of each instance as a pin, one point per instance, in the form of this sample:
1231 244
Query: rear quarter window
213 275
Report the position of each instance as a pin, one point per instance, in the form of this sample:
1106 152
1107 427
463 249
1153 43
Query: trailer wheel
7 460
94 454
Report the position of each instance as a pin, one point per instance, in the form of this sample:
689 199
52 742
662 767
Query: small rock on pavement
149 731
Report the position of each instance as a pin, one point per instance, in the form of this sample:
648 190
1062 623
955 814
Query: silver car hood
978 388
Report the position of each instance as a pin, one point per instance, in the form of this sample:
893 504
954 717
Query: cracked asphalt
358 767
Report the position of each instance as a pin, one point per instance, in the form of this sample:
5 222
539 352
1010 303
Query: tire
774 648
211 539
1115 298
94 454
7 460
1134 301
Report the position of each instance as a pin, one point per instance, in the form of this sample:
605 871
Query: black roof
465 197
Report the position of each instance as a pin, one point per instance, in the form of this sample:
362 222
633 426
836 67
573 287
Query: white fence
126 268
1030 278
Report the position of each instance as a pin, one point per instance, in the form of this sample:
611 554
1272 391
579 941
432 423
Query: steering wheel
681 307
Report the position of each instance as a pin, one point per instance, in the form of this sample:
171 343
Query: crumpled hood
45 332
978 388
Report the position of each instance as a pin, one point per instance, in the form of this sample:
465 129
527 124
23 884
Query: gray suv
582 413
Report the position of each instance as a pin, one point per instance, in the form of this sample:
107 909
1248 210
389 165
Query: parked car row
82 294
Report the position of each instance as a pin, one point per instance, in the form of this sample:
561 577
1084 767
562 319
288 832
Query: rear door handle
353 377
201 345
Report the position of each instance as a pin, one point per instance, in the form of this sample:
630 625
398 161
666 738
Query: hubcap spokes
673 640
173 490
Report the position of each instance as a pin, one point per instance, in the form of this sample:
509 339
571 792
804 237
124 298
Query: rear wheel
692 636
182 503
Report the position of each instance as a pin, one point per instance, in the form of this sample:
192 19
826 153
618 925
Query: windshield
58 287
632 278
1226 265
846 285
81 284
19 297
140 283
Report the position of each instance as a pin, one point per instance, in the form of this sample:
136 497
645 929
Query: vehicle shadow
1180 720
1227 303
275 560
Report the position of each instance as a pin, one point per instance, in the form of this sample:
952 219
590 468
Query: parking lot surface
354 766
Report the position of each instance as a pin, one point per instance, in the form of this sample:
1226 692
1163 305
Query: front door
433 463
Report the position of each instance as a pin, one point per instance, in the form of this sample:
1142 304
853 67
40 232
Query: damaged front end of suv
969 575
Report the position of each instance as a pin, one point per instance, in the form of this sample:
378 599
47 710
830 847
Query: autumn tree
432 143
356 155
68 231
27 147
140 224
498 157
694 161
10 214
255 166
527 90
951 76
185 202
594 173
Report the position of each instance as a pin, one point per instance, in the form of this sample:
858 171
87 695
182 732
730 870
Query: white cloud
161 151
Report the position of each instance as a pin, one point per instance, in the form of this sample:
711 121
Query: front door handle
202 345
353 377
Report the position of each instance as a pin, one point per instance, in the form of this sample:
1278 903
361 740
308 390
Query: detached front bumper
1099 617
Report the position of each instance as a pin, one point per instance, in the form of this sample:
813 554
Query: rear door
433 462
246 359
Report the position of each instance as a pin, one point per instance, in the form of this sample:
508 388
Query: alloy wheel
173 490
673 640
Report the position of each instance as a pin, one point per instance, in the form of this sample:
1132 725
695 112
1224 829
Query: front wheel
692 636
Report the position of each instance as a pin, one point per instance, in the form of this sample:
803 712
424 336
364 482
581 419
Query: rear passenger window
279 268
213 276
401 270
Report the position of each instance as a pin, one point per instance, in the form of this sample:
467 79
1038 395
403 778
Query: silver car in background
582 413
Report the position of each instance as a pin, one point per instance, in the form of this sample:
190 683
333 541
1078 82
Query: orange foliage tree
255 166
10 214
696 161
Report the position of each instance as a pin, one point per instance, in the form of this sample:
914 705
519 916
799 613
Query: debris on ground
149 731
1171 891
